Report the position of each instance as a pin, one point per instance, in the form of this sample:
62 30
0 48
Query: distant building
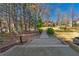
48 23
76 22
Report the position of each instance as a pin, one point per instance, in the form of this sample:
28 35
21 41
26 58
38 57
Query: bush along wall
50 31
40 30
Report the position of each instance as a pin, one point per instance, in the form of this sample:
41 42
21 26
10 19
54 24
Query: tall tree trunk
24 14
15 17
9 20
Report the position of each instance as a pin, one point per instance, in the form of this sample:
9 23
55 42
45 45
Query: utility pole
58 15
72 15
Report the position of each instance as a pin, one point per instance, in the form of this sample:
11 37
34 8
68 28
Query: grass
64 31
67 34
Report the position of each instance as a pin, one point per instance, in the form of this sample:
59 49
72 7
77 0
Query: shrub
39 23
50 31
40 30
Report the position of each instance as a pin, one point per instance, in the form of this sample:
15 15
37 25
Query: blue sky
64 8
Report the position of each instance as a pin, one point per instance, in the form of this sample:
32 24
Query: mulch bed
15 40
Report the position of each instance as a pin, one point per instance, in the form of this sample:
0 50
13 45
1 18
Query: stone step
41 51
50 45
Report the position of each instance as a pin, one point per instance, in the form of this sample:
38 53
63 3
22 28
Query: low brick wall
15 40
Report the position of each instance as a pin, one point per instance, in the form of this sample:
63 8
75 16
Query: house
47 23
76 22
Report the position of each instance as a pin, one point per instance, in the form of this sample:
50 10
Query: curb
74 46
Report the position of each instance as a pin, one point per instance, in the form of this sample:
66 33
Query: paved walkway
43 46
45 41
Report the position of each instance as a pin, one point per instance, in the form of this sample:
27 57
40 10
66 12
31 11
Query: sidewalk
43 46
45 41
